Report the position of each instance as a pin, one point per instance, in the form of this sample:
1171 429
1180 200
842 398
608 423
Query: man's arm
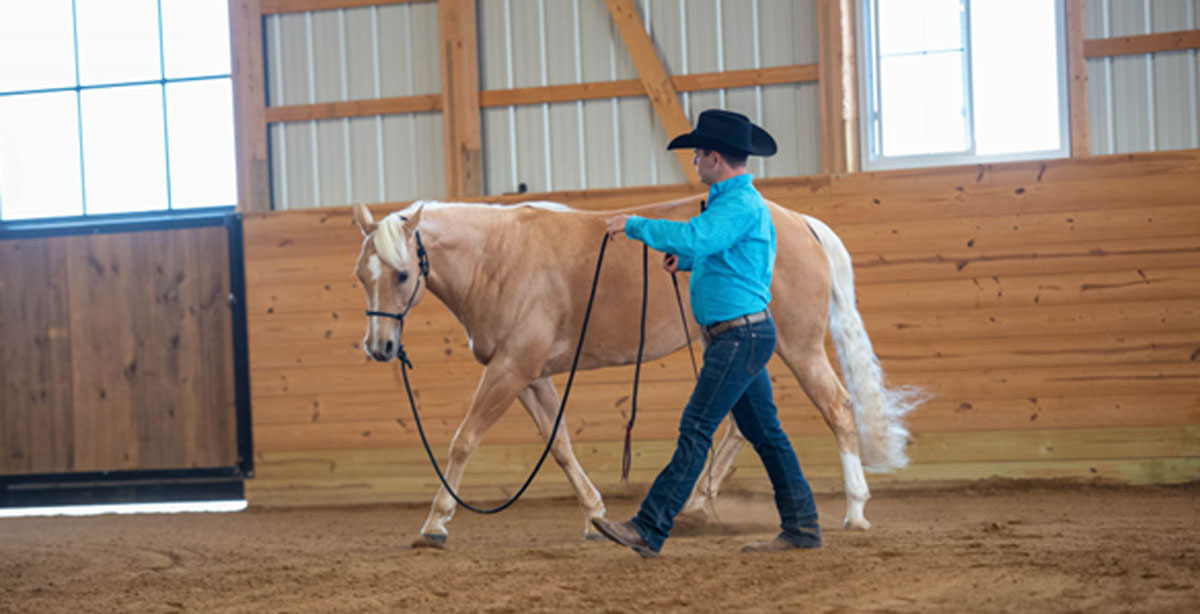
715 230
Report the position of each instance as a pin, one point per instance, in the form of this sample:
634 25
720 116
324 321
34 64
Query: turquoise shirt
729 248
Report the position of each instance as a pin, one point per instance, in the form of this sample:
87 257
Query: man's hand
670 263
616 225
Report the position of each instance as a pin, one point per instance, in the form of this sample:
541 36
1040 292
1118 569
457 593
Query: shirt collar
733 183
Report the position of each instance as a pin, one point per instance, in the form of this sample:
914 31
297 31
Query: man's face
707 163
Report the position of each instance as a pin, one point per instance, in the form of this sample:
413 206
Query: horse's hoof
857 524
430 540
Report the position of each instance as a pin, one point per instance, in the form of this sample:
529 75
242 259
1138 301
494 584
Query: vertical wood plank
654 78
1077 74
839 129
249 103
460 98
35 381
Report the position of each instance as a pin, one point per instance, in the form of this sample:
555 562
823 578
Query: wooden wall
115 352
1051 308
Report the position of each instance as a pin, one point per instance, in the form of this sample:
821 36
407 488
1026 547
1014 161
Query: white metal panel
1143 102
360 61
326 55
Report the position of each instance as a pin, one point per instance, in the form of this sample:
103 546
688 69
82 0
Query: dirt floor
993 547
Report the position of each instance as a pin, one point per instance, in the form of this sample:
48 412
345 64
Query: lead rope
626 456
404 364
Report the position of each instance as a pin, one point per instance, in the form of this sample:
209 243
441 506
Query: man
730 249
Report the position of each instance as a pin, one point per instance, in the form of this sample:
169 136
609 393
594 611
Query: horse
517 278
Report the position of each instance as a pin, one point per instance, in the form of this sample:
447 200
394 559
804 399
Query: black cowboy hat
726 131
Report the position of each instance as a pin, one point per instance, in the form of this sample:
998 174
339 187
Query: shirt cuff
633 227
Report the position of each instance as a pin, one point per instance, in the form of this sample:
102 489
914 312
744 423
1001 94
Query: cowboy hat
726 131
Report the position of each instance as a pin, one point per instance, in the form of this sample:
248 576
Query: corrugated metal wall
1145 102
354 54
388 51
619 142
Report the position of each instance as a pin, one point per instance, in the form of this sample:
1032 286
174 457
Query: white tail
878 410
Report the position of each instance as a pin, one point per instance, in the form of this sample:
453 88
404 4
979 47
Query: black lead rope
627 455
404 364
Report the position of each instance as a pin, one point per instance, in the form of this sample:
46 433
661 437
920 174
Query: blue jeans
734 378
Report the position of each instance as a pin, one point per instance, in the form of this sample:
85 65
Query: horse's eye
402 276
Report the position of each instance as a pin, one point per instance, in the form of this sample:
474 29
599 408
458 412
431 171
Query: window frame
66 223
870 124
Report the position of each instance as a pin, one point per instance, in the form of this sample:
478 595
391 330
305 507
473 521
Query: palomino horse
517 278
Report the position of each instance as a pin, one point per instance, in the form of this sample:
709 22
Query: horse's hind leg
494 394
810 365
542 402
719 468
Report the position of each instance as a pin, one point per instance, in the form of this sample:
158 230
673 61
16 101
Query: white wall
1144 102
388 51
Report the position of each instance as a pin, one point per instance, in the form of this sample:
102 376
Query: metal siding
331 162
424 57
326 56
361 61
792 112
298 158
364 137
1100 119
413 156
395 32
525 45
1145 102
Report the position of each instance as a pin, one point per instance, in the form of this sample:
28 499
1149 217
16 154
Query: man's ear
411 224
362 217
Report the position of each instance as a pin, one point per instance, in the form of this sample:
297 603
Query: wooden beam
1146 43
272 7
751 77
633 87
460 98
654 77
1077 94
835 44
249 103
355 108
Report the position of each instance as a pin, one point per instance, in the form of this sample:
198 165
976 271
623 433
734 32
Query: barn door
122 361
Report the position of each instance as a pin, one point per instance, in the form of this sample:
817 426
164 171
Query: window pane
37 50
118 41
1016 76
909 26
200 126
39 156
921 104
124 155
195 37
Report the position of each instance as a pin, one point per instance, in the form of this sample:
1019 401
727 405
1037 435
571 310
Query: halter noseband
423 267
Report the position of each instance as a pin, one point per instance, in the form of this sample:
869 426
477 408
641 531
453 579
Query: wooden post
654 77
460 98
1081 142
249 106
839 129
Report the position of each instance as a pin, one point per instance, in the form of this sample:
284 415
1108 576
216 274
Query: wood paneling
116 352
1051 308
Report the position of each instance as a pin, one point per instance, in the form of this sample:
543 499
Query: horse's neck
456 241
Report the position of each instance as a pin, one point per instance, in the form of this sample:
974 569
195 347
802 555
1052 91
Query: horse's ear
411 224
362 217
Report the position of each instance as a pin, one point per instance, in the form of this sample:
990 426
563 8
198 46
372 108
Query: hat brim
761 143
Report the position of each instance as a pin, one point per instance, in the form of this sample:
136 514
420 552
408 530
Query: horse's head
389 268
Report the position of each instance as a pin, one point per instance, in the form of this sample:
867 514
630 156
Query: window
962 81
114 106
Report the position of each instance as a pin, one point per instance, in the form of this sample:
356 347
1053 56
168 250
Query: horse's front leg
542 402
495 392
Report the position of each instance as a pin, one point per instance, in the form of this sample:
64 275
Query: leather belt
712 330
